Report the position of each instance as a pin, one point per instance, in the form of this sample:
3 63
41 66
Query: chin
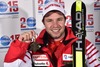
56 36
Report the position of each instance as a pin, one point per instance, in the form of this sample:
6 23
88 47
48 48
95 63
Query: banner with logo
9 22
97 23
17 16
27 15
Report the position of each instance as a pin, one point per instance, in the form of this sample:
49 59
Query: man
55 43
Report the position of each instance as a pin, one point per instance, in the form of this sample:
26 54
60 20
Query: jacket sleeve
15 63
92 55
16 51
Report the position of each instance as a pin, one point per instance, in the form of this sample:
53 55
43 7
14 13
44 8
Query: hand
27 36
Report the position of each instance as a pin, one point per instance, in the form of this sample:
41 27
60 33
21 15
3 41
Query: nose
55 24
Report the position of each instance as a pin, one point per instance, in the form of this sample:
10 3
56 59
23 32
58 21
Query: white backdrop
17 16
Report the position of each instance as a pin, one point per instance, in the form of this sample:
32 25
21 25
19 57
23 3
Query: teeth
55 30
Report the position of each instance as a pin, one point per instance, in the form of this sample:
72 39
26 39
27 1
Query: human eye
60 19
49 20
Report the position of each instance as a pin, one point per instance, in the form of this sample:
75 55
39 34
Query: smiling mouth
55 30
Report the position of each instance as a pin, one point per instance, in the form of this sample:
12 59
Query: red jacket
61 57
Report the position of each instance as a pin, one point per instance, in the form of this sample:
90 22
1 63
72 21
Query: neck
60 38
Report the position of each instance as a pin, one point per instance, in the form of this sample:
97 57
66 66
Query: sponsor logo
67 57
68 21
5 40
97 38
97 5
9 8
31 22
40 60
90 23
28 23
79 30
3 6
47 1
40 57
41 63
56 5
43 2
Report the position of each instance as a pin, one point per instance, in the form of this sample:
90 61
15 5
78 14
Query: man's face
55 25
